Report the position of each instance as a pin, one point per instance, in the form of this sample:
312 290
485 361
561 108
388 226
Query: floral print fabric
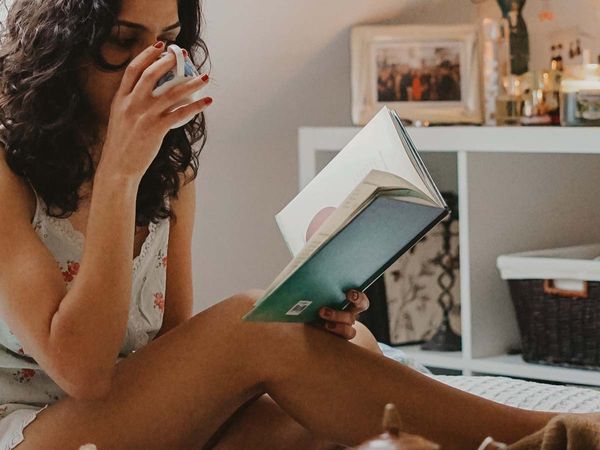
22 381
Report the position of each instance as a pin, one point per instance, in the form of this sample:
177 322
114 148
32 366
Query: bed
510 391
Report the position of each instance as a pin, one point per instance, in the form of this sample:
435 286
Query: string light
546 14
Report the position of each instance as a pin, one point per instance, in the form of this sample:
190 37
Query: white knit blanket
527 394
513 392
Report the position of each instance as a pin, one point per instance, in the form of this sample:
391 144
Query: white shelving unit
521 188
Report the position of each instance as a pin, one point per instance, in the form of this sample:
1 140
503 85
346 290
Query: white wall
277 65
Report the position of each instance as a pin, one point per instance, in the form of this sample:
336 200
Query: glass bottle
495 63
509 104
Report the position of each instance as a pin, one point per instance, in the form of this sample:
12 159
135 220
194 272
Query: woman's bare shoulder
15 192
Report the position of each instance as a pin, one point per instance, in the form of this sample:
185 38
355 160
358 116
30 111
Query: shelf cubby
519 188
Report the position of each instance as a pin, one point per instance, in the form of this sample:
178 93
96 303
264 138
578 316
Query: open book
344 234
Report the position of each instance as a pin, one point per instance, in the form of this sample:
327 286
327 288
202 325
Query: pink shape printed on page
318 220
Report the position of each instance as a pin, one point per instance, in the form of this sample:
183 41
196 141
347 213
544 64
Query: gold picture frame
424 72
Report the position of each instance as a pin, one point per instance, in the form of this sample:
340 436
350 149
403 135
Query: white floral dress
25 389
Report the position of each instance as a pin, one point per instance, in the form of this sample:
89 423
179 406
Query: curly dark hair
47 126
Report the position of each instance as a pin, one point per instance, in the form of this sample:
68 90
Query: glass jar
580 96
541 97
509 103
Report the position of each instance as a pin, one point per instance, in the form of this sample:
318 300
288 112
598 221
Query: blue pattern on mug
166 77
189 71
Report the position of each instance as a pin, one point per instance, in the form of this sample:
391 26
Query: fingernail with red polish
208 101
185 53
159 44
205 77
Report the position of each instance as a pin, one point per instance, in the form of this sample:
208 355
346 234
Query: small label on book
297 309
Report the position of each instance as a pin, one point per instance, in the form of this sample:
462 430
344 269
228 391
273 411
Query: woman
88 152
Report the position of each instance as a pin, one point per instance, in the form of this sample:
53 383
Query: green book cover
354 257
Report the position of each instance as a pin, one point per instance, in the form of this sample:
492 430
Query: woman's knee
364 338
244 300
225 318
234 307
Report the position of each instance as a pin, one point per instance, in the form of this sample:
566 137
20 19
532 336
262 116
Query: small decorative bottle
553 61
559 58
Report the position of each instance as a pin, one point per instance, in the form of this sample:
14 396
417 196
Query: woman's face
142 23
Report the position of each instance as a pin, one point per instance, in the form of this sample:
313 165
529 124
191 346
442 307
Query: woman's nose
151 41
154 41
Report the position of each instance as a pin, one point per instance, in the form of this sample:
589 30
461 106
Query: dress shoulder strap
38 202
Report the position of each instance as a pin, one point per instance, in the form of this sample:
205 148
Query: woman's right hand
139 121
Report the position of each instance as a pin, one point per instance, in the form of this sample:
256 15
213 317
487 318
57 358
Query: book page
388 180
376 182
354 202
417 161
376 146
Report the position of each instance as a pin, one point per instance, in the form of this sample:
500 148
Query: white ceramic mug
184 70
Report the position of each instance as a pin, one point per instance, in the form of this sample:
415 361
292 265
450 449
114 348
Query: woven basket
557 326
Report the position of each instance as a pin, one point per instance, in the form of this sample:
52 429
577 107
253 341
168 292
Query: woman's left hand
342 322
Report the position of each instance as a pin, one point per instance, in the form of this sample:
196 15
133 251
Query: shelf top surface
513 365
504 365
523 139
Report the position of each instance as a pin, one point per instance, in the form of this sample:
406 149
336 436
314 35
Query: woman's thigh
180 386
261 423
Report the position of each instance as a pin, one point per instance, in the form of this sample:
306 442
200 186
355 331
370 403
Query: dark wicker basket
558 327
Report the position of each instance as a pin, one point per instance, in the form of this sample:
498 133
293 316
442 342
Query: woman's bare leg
261 423
177 390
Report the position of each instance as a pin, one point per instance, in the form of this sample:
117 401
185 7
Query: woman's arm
74 336
88 329
179 296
